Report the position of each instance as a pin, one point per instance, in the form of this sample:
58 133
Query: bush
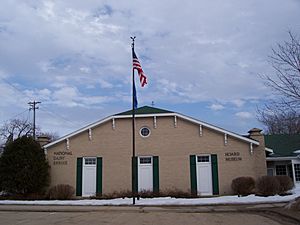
267 186
61 192
175 193
243 185
115 194
23 167
285 184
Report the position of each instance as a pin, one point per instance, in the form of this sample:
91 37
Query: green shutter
193 174
79 177
215 176
134 175
155 174
99 176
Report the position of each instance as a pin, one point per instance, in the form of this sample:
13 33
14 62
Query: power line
49 111
55 115
16 115
14 87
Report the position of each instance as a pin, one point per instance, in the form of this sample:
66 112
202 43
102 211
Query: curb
145 208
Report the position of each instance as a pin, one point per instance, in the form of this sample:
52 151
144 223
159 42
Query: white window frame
144 128
294 171
286 169
89 158
143 157
273 170
206 156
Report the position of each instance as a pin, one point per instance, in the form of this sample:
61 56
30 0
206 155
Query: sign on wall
61 157
233 156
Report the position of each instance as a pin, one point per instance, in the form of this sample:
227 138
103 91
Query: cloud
244 115
71 97
238 102
84 69
216 107
77 54
3 75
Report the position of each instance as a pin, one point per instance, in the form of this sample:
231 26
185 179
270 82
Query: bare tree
15 128
277 121
285 60
282 116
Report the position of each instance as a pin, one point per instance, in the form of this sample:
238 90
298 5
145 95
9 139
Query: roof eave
281 158
153 115
78 131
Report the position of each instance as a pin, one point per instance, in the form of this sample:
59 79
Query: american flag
138 67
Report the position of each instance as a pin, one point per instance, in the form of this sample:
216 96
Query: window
297 172
144 131
145 160
203 158
281 170
90 161
270 172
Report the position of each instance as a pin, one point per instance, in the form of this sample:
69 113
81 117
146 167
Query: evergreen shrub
23 167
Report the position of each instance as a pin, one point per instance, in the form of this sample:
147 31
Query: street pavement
260 214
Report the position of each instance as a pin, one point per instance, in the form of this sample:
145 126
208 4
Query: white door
204 175
145 174
89 177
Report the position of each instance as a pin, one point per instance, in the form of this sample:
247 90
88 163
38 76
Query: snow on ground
167 200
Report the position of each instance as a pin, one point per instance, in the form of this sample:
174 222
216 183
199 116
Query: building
173 151
284 157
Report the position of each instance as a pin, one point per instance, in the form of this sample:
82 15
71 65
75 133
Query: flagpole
134 162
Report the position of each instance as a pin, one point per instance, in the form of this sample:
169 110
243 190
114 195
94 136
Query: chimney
255 133
43 140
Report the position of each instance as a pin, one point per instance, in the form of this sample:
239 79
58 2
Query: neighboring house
173 151
285 159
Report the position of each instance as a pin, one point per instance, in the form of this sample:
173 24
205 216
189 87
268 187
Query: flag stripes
136 65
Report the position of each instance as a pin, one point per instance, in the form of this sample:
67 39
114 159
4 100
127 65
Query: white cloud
41 95
3 74
244 115
105 84
85 69
238 102
216 107
79 51
71 97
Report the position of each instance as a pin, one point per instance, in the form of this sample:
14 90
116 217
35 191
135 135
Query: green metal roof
144 110
283 145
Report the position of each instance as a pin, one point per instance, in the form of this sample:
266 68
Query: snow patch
167 200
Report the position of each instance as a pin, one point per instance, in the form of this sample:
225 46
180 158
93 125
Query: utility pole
33 106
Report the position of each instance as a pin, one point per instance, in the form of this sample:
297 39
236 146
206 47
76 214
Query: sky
202 58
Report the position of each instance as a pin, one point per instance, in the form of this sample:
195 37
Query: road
135 217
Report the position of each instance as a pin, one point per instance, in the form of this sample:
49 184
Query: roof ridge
145 110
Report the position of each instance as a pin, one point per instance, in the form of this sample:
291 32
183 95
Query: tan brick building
173 151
